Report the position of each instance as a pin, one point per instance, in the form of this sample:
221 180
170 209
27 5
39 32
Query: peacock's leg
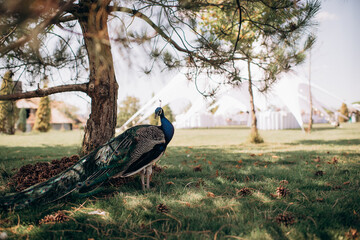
148 175
142 177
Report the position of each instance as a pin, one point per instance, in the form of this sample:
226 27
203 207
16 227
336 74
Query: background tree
128 107
169 115
21 124
79 36
344 111
271 39
43 115
7 108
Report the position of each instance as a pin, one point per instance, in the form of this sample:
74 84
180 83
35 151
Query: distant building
59 121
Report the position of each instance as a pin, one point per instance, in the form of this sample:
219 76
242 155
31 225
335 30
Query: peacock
132 152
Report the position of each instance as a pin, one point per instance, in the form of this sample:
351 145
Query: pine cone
162 208
57 217
286 219
282 191
352 234
244 192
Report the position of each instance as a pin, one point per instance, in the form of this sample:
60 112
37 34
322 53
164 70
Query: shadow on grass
340 142
200 187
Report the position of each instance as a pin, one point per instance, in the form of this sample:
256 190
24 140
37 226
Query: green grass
206 204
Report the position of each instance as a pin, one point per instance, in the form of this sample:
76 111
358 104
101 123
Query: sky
334 60
335 56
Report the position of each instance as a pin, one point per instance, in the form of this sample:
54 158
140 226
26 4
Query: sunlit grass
206 203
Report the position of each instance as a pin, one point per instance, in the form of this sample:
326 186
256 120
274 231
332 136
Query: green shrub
43 115
8 109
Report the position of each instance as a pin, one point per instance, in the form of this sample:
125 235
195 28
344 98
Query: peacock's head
158 112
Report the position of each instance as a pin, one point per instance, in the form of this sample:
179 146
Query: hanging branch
240 21
47 91
140 15
36 31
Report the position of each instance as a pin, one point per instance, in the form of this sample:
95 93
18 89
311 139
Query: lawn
212 185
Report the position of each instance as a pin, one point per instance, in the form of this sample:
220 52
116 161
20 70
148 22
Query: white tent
280 108
178 88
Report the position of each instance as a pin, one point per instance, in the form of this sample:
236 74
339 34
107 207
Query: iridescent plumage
134 151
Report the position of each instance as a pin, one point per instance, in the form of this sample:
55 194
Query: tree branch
47 91
140 15
239 30
36 31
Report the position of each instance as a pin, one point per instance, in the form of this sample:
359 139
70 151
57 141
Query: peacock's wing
127 153
149 146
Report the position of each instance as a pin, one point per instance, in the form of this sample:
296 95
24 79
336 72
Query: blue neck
168 128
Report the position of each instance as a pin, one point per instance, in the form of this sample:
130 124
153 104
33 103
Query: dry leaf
346 183
217 173
170 183
274 156
240 161
210 194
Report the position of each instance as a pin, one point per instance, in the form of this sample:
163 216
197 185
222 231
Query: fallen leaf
317 159
320 199
252 155
273 195
346 183
170 183
274 156
260 154
217 173
210 194
240 161
209 162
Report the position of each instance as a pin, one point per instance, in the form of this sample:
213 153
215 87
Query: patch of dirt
31 174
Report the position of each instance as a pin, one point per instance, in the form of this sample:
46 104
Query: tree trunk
102 87
252 105
254 135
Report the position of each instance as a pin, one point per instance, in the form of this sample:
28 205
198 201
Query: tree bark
102 87
254 129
